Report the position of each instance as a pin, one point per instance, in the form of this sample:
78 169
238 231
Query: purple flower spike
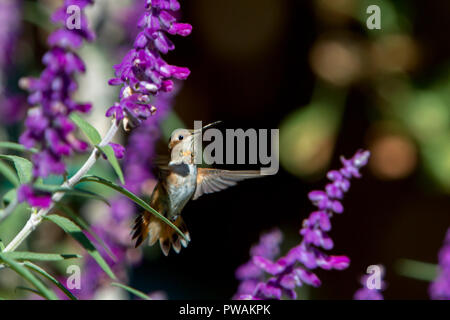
143 72
440 287
293 269
48 127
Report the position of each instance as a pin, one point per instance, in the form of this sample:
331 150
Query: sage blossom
12 106
295 268
48 126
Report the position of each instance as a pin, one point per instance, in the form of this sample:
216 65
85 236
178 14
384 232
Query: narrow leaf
17 255
71 191
9 174
26 274
38 269
10 196
84 225
23 167
16 147
110 155
138 293
134 198
87 128
75 231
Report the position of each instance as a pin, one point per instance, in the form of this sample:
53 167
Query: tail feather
147 225
140 228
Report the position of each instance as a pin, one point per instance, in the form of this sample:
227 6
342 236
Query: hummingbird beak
194 132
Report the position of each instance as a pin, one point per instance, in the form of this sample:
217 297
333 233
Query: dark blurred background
315 71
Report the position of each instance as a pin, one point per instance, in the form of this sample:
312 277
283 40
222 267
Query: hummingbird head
181 143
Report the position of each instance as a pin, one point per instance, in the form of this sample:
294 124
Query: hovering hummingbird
180 181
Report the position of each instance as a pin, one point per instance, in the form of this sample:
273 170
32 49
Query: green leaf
134 198
86 228
16 147
2 245
9 174
138 293
30 290
416 269
71 228
71 191
109 152
23 167
38 269
87 128
10 196
26 274
17 255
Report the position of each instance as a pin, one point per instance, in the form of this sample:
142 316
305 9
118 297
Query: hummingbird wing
213 180
160 166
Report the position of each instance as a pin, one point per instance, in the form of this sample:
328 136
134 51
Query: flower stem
36 217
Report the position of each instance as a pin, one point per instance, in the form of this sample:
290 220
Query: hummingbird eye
180 137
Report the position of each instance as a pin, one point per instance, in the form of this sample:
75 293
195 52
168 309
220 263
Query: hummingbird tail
169 237
148 225
141 228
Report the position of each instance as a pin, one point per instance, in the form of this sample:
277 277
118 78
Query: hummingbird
179 181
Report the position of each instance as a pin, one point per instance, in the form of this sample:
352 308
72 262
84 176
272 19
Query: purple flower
294 269
143 72
118 149
440 287
140 150
366 293
249 273
48 126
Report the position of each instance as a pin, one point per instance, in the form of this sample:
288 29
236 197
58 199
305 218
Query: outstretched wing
213 180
